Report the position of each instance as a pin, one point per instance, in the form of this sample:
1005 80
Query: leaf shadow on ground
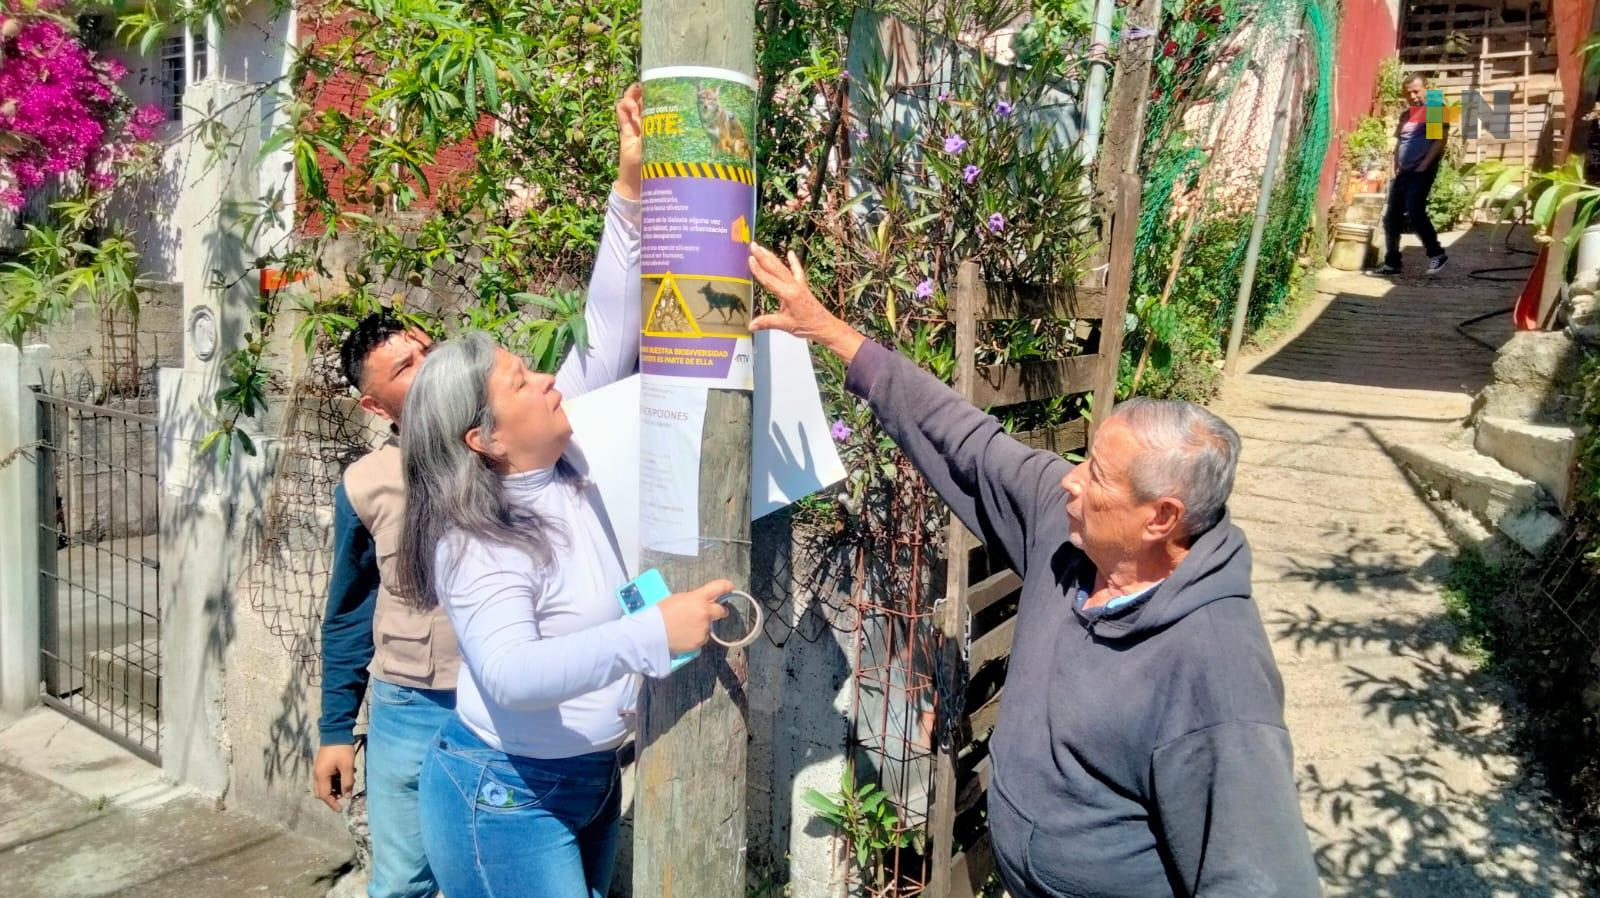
1451 810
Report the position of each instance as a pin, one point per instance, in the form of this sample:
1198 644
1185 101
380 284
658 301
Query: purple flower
925 289
997 223
841 431
1003 109
845 76
954 144
970 174
944 96
862 134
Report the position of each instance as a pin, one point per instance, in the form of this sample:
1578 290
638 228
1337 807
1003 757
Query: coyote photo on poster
699 211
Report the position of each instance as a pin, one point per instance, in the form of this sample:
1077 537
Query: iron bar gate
99 567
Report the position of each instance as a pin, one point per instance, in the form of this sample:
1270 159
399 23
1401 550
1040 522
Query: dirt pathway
1407 775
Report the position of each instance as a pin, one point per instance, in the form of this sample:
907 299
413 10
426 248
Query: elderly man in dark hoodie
1140 749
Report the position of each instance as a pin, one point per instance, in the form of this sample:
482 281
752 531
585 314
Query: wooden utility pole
689 804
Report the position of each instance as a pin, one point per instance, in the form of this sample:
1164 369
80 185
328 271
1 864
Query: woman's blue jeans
504 826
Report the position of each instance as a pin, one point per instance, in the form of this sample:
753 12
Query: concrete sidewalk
80 817
1410 775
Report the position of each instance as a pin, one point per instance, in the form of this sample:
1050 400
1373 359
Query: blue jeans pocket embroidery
498 792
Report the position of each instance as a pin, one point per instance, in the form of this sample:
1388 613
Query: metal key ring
755 629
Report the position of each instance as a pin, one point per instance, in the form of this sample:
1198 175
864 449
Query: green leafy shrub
1451 199
867 819
1391 92
1367 147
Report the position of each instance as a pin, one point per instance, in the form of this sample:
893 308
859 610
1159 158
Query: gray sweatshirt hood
1217 567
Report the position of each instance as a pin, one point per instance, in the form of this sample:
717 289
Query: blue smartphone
643 591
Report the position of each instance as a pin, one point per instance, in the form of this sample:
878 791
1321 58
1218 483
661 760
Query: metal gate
99 565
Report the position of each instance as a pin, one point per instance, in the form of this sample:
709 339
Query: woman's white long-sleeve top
549 655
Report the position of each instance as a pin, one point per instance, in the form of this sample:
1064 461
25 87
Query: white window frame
181 61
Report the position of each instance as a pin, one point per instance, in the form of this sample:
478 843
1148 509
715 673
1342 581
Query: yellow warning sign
669 314
740 230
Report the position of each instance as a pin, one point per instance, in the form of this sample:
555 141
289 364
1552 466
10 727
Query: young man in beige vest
368 633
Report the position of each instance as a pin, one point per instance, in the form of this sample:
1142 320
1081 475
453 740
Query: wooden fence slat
1118 285
1010 301
992 646
992 589
971 869
982 720
1001 385
1465 15
977 785
1069 437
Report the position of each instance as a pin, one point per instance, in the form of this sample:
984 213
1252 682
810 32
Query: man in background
1416 163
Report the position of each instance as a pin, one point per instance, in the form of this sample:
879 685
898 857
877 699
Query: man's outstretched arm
994 484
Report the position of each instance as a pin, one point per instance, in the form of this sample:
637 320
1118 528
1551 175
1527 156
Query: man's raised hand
799 311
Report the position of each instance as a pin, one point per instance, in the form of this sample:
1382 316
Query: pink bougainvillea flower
143 124
61 104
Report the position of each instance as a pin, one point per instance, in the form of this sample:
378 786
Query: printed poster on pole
699 212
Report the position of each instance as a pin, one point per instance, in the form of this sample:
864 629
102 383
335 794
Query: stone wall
86 361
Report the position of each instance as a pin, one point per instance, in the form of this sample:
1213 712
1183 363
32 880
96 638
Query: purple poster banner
697 227
702 358
699 208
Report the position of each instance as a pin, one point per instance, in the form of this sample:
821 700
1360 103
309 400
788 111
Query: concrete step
1290 537
1358 729
1426 677
1315 492
1356 400
126 676
1533 529
186 847
1308 422
1544 453
1365 457
1509 502
1256 513
1543 875
1470 479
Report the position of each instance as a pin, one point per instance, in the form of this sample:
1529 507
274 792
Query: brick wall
345 92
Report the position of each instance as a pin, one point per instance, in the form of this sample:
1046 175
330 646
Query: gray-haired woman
520 793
